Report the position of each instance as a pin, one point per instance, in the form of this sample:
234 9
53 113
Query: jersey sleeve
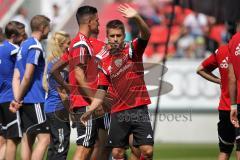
14 51
14 54
230 56
210 63
33 56
64 57
80 53
102 75
102 79
16 65
137 47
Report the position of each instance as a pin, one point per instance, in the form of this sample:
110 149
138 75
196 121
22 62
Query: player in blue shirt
29 92
57 114
2 139
10 122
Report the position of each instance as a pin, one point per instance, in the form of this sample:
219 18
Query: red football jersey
234 59
220 60
124 74
96 46
76 55
92 71
80 52
64 57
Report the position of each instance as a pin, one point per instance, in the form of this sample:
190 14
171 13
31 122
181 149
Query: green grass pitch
176 152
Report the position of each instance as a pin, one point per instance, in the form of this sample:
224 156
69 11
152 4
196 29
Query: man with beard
122 76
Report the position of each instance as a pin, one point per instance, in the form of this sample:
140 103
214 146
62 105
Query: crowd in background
193 35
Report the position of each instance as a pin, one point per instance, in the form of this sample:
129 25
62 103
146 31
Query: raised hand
127 11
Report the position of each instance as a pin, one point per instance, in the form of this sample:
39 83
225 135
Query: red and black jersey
124 74
234 59
92 72
82 52
220 60
64 57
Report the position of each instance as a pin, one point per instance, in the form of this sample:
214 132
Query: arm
208 75
14 105
233 94
80 58
96 102
56 73
16 82
26 82
64 97
99 96
33 56
129 12
206 68
98 99
232 83
81 80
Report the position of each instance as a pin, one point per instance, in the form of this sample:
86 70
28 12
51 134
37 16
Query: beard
44 36
115 48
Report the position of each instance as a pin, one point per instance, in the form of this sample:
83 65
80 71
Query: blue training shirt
53 101
31 52
8 52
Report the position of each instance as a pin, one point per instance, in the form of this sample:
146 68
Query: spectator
210 44
22 16
149 10
195 22
55 15
185 44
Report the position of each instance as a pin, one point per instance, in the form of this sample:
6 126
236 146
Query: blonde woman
57 114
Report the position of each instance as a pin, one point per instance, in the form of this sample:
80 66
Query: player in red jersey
100 150
234 82
226 131
81 51
122 76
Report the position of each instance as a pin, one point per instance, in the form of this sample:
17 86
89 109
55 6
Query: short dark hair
1 35
12 28
37 21
85 11
116 24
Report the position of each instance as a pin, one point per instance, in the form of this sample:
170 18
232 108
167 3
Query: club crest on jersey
224 63
118 62
237 51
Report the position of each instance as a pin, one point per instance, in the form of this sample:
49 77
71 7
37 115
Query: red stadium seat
149 51
161 49
216 32
158 34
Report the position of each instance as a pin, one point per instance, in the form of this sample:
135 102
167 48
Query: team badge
118 62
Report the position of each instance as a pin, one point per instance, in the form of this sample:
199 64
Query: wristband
234 106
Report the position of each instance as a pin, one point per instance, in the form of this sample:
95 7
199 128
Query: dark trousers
60 135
